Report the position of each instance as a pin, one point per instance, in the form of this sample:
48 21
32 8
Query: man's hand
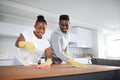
75 64
67 54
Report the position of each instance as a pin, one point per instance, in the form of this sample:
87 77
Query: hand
46 64
67 54
28 45
75 64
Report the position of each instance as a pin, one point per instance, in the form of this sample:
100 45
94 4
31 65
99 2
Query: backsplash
7 47
78 52
75 52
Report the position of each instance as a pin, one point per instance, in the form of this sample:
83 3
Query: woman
32 45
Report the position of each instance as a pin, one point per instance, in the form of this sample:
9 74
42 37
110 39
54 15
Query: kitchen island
61 72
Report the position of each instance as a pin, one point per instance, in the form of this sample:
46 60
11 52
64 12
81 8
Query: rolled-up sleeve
57 47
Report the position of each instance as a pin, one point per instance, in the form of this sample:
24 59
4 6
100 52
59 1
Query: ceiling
86 13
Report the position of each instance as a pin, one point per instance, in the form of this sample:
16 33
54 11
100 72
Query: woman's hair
41 18
64 17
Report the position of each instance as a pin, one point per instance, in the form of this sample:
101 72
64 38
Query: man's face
64 25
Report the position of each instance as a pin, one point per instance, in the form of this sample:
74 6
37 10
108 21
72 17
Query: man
59 41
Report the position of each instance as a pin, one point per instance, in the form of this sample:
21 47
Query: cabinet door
73 35
83 37
14 30
5 62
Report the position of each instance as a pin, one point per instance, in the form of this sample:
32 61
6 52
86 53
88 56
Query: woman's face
40 28
64 25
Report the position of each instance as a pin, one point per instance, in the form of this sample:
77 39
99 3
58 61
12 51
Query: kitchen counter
63 72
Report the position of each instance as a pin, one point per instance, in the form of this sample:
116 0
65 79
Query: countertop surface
25 72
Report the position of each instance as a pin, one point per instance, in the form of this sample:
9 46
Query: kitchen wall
79 52
83 42
7 48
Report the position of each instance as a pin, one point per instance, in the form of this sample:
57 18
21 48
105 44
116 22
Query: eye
39 28
64 25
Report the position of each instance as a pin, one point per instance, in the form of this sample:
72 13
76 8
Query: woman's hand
28 45
45 65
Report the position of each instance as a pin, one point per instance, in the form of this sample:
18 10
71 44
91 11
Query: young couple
32 45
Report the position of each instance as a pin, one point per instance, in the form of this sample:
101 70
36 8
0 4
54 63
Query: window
112 46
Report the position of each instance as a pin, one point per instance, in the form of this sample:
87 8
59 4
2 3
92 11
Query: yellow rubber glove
46 64
67 54
28 45
75 64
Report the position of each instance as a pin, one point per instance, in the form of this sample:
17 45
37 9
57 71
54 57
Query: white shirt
27 58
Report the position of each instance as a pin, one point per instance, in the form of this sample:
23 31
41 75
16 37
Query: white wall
82 36
14 30
95 42
7 48
8 36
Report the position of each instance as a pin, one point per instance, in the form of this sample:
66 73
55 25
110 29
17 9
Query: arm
56 45
21 43
48 62
48 53
20 38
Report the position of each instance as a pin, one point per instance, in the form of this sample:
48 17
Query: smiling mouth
65 29
40 33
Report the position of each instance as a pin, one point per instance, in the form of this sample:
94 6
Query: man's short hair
64 17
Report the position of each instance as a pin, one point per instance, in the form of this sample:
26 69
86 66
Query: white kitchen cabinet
12 30
83 37
83 60
8 36
5 62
